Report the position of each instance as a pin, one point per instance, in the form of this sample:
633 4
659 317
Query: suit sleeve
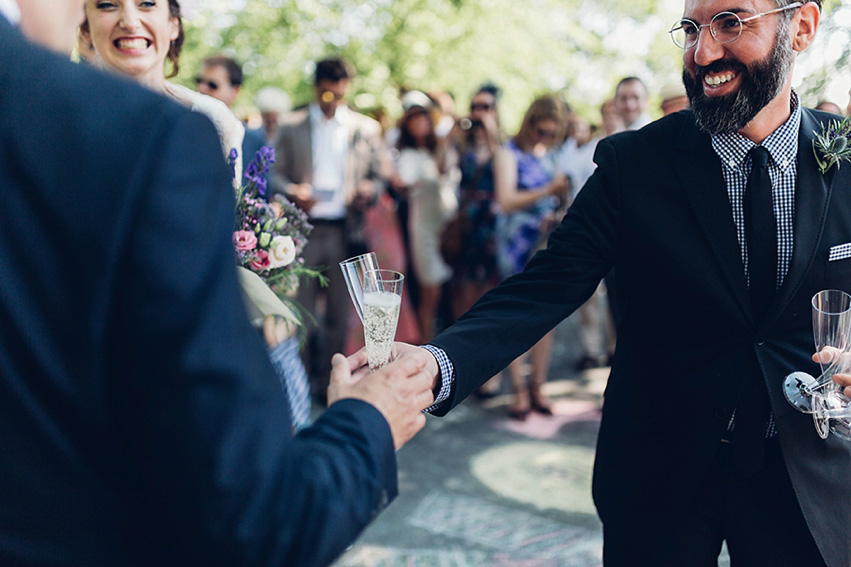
207 428
508 320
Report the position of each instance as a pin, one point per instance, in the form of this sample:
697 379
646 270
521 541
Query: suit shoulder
666 128
70 97
90 126
295 118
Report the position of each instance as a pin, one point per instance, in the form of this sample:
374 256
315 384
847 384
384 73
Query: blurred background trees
579 48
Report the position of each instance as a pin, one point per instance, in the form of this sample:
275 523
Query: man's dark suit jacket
657 210
140 420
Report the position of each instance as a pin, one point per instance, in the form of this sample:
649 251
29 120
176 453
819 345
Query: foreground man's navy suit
140 420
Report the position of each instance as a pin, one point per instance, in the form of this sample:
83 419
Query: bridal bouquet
269 237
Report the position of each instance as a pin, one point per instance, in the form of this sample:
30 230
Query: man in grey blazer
722 226
331 162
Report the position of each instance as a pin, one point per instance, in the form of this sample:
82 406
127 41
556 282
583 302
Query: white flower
281 251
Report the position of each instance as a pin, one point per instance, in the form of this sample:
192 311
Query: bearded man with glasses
720 225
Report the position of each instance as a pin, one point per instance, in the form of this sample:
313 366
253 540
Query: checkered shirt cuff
447 375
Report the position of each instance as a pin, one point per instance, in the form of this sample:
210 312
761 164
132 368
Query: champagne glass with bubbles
382 298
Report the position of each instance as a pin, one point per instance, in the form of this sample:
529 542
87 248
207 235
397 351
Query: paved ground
477 489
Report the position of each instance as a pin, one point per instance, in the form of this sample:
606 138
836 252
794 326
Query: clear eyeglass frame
725 27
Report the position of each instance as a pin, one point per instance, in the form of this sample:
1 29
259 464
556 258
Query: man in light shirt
330 161
631 103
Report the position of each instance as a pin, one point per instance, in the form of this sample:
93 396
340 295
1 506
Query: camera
469 124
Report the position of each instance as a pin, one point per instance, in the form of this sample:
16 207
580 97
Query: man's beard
760 84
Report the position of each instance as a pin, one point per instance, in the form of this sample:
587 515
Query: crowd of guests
450 198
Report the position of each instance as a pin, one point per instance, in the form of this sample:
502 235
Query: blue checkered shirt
782 145
447 376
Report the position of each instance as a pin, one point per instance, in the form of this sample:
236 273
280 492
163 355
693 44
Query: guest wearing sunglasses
528 199
221 77
480 141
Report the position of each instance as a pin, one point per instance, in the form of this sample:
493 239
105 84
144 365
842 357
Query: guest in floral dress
529 199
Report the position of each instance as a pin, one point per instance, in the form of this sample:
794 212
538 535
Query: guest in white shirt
330 161
631 103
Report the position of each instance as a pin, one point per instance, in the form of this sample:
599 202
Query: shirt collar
9 9
341 115
782 144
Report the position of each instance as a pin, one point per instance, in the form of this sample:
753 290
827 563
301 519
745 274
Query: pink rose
244 240
261 262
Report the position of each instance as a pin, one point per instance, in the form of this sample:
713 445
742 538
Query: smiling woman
136 38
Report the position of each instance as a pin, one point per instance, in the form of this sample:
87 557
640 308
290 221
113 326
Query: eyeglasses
212 85
328 96
483 106
725 27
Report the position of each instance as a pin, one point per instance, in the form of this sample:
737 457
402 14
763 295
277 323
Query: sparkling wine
380 315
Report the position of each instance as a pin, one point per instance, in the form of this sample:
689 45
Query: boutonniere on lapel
832 144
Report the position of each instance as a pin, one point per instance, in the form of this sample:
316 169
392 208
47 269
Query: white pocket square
839 252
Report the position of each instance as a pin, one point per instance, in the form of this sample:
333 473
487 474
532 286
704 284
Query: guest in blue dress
529 200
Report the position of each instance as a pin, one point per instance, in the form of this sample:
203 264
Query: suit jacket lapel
699 171
812 197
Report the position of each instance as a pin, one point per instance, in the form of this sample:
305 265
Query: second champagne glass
353 272
831 309
382 298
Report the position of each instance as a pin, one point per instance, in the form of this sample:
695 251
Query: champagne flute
831 310
831 407
353 272
382 298
831 313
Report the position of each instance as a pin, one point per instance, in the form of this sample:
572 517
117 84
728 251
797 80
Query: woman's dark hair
177 43
406 140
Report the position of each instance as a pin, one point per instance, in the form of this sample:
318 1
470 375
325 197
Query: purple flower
267 155
255 173
232 155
